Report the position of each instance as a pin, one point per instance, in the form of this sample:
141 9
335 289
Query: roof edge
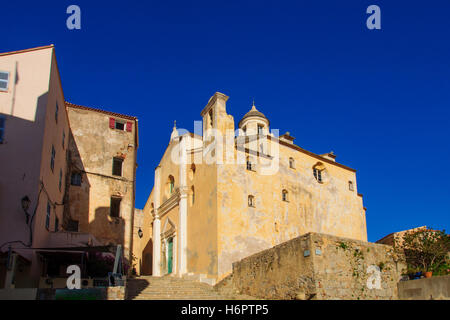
115 114
26 50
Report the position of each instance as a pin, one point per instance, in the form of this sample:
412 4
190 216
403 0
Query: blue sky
379 99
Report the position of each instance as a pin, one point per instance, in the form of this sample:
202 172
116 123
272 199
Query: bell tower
215 116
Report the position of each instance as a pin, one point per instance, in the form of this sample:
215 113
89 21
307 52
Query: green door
170 262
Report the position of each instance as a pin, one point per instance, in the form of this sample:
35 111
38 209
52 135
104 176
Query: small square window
291 163
115 207
251 201
4 81
120 125
76 179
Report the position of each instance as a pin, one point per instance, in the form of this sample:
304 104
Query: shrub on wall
425 249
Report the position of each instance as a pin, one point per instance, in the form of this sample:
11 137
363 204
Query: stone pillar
157 225
182 215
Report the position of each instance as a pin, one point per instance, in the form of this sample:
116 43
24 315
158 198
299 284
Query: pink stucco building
33 146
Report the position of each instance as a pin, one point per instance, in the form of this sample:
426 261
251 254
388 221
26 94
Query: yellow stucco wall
202 221
328 207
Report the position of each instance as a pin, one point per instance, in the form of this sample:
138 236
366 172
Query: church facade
224 193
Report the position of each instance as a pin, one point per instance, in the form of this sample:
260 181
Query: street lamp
140 233
25 206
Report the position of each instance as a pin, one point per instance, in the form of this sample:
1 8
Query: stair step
172 288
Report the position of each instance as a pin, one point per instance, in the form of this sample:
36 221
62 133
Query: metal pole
117 259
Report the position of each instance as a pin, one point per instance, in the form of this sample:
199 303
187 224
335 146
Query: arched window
260 129
350 186
291 163
211 118
251 201
192 172
171 184
285 195
319 172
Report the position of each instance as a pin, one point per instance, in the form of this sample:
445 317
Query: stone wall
323 267
435 288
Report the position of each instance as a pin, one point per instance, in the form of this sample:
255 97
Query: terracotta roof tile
114 114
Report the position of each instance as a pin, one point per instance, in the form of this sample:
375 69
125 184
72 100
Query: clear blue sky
379 99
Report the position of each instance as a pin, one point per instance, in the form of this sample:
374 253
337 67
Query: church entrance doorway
170 256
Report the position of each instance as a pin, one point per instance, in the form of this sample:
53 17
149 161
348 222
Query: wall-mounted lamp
25 206
140 233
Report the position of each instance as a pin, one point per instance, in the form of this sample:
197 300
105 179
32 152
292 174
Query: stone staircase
173 288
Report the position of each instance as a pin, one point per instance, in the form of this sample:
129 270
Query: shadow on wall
107 229
76 209
147 259
21 153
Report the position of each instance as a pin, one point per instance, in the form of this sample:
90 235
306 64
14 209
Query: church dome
254 113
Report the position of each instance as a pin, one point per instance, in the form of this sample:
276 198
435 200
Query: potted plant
428 274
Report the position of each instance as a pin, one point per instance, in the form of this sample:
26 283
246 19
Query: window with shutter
120 125
129 126
112 123
52 159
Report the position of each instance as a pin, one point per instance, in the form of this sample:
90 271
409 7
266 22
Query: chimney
330 156
287 138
